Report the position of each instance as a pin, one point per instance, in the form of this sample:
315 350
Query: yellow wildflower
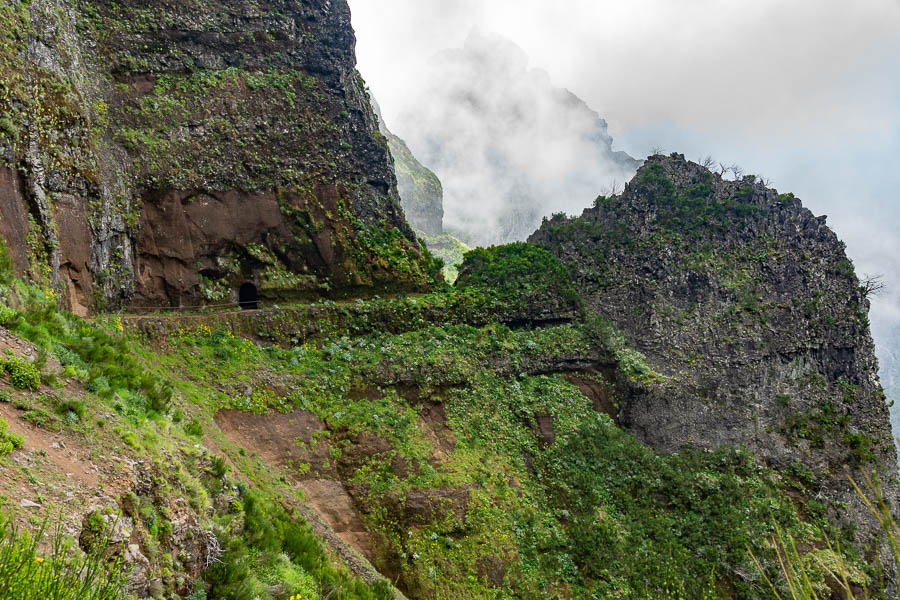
39 559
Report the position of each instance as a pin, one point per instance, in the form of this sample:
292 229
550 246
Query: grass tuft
40 567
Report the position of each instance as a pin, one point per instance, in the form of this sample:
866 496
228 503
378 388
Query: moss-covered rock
421 193
156 143
524 277
749 308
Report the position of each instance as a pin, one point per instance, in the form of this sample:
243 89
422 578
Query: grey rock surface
750 314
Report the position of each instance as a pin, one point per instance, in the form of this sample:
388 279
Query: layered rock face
747 307
167 153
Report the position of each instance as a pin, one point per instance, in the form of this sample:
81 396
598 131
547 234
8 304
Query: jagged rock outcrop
747 307
166 153
421 193
508 146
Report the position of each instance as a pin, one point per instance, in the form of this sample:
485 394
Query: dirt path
59 473
192 311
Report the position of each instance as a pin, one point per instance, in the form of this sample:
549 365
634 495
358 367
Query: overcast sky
803 92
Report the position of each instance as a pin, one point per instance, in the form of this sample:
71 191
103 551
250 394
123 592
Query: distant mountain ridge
421 193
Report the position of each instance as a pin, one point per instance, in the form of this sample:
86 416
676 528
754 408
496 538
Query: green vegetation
695 211
22 374
449 249
35 567
103 361
276 554
386 251
844 578
663 526
521 274
269 548
9 441
553 517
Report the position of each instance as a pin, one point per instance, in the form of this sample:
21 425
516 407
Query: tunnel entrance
248 298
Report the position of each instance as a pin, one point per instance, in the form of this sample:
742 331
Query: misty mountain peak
508 146
493 50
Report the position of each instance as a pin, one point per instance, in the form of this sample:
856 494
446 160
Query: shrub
194 428
8 128
22 374
72 409
522 275
9 441
60 573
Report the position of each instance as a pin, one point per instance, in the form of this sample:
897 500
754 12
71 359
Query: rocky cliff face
167 153
421 193
747 307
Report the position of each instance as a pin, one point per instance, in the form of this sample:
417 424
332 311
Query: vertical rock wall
167 153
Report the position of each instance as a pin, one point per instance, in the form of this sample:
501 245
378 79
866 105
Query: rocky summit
229 369
748 308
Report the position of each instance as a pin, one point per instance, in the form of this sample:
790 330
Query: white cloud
759 67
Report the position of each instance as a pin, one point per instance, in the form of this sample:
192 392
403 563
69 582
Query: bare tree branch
708 162
213 549
873 285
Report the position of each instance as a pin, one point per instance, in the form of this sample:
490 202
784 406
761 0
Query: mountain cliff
161 154
747 306
421 193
